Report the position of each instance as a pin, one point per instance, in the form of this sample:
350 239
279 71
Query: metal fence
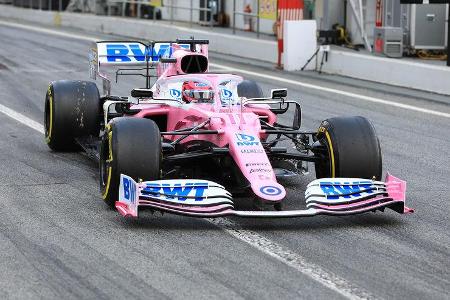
245 14
40 4
191 9
125 7
54 5
138 4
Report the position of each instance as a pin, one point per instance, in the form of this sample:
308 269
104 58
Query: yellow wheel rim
109 160
330 147
48 133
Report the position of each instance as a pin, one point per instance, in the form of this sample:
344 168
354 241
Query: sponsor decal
270 190
201 84
135 52
226 97
129 190
260 171
175 94
125 52
252 151
257 164
176 191
336 190
226 93
246 140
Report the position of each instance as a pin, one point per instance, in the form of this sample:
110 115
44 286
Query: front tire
130 146
72 109
353 149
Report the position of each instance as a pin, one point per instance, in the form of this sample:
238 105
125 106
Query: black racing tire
130 146
72 109
353 149
249 89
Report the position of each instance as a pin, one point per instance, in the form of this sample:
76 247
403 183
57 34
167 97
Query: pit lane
59 239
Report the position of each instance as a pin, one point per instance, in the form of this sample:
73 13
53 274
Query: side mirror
278 93
297 122
141 93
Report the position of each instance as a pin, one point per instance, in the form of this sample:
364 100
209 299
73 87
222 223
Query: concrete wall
399 72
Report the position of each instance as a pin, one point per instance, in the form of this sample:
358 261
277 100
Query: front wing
207 199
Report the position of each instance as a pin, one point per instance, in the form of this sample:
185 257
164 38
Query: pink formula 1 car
198 143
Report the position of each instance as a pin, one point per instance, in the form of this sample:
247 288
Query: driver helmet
197 92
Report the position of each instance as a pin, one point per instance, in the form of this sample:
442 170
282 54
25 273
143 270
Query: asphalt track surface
58 240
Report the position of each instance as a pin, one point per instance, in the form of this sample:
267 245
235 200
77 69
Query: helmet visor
201 95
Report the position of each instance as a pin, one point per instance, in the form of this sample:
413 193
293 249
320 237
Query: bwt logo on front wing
137 52
246 140
347 190
176 191
129 190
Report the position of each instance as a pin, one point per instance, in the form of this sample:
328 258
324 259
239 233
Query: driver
197 92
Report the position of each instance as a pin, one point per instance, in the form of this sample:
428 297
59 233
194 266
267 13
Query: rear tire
130 146
353 149
249 89
72 109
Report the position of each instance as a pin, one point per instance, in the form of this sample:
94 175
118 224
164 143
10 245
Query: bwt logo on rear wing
131 53
126 53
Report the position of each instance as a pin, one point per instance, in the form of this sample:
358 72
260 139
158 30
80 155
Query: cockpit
217 89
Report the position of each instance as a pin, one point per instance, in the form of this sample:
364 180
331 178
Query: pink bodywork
229 121
239 129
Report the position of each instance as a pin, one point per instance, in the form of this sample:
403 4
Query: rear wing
134 56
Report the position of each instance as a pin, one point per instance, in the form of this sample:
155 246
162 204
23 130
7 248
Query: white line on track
255 74
292 259
278 252
21 118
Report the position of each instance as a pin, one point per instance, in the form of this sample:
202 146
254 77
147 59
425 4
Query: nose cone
269 191
250 156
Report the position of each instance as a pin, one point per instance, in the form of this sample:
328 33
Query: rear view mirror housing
141 93
278 93
297 121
